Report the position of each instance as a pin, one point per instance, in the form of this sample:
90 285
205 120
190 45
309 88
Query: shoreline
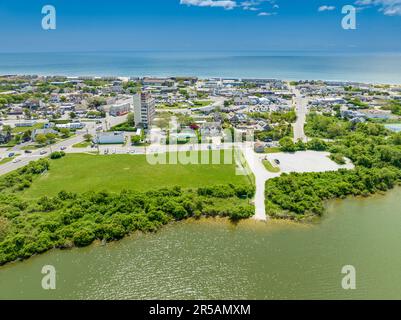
165 75
273 224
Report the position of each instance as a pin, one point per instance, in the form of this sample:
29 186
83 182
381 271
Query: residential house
238 101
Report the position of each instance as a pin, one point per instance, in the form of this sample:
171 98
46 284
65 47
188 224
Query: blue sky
93 25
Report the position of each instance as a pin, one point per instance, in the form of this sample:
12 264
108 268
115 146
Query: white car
16 160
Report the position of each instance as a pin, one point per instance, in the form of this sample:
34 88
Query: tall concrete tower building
144 110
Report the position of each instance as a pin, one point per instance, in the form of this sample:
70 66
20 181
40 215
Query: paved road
255 162
301 108
24 160
253 159
67 144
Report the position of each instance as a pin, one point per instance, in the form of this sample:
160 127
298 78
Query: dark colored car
277 161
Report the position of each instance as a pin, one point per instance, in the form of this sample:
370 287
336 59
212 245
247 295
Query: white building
71 126
110 138
144 109
120 109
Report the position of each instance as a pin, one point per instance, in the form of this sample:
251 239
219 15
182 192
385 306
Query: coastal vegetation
288 145
62 219
275 132
375 152
297 196
321 126
394 106
280 124
276 117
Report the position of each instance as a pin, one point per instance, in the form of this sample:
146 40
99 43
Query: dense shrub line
375 151
296 195
22 178
29 227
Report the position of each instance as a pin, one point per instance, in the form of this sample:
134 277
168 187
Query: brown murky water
214 259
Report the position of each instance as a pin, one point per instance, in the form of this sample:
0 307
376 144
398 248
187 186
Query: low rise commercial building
120 109
110 138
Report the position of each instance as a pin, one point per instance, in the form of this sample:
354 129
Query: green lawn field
84 172
269 167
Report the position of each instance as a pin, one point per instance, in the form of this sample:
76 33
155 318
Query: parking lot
306 161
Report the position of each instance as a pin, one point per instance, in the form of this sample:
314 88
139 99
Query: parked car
16 160
43 152
28 151
63 148
12 154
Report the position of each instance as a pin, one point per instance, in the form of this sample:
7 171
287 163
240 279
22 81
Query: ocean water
375 68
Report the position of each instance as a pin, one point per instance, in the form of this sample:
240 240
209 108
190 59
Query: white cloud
251 8
388 7
251 5
326 8
248 5
264 14
226 4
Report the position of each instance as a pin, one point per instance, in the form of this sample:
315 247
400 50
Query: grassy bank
269 167
83 172
78 199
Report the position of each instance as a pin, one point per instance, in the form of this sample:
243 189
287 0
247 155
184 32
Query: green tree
135 139
51 137
397 139
41 139
88 137
18 138
4 227
83 237
7 129
65 132
131 119
317 145
27 114
26 136
287 145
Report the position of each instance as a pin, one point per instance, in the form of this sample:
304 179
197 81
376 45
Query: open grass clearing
84 172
